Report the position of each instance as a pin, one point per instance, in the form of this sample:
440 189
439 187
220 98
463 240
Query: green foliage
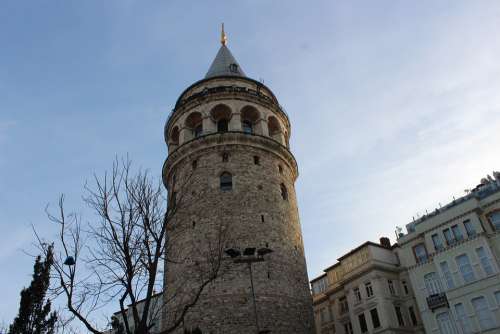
34 315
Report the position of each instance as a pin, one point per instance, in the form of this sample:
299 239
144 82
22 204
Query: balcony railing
437 300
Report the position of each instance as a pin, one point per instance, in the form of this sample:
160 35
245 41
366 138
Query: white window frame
445 323
369 289
447 275
484 315
466 270
432 283
462 318
485 261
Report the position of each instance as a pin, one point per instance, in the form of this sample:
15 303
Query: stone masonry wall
255 215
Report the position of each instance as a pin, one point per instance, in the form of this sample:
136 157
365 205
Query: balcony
437 300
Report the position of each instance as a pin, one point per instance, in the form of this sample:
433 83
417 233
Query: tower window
173 199
284 192
262 219
280 169
249 117
225 157
256 160
222 125
226 181
174 137
247 127
233 68
194 122
194 164
198 130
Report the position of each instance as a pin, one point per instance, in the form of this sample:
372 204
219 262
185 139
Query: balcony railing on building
437 300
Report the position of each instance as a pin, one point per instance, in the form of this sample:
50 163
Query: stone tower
230 176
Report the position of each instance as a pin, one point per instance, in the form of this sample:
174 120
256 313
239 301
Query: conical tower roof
224 64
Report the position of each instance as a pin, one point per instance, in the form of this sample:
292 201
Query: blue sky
394 104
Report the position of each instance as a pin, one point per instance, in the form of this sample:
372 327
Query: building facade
229 168
366 291
155 314
452 259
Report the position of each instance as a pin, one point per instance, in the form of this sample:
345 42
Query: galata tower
230 176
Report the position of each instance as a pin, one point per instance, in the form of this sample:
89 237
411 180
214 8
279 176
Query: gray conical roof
224 64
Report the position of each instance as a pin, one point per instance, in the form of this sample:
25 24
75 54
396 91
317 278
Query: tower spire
223 37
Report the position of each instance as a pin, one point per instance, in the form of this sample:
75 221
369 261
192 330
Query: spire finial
223 37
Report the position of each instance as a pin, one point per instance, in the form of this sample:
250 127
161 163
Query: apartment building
451 257
365 292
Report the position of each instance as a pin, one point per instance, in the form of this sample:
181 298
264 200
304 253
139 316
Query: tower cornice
212 141
184 102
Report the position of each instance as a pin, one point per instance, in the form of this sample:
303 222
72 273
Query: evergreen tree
34 311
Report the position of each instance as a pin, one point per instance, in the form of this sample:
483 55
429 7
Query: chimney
385 242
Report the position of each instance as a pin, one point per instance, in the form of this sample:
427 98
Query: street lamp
70 261
249 257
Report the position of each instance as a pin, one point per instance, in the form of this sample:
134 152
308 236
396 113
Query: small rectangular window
469 228
173 199
262 218
369 289
457 234
194 164
483 313
362 323
413 316
462 318
348 328
405 287
450 240
330 312
448 277
344 306
438 244
357 294
494 219
322 314
485 261
375 318
256 160
465 268
420 253
390 284
399 316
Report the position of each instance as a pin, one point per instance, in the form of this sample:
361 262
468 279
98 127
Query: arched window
221 114
226 181
247 127
249 117
198 130
174 136
222 125
284 192
194 122
274 128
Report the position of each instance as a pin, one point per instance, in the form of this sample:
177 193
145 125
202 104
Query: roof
224 64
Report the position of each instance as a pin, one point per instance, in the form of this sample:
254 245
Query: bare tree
120 256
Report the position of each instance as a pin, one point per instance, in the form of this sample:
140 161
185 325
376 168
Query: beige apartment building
452 259
366 291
